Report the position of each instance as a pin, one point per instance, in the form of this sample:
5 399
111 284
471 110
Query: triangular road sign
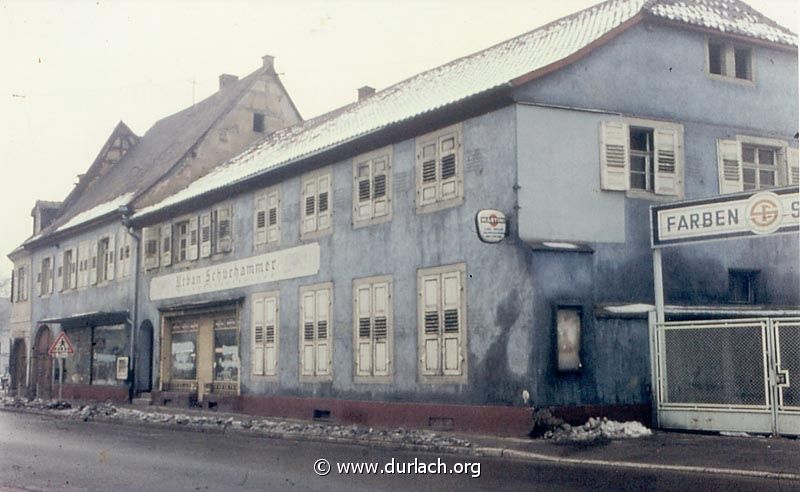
62 347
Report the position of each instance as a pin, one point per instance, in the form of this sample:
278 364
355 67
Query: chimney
268 63
365 92
227 79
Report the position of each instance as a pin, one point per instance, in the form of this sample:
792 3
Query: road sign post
60 349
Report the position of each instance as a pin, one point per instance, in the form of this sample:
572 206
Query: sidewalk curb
489 452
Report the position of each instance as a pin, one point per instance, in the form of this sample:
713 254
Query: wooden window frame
370 159
264 374
267 195
316 376
371 282
439 202
316 176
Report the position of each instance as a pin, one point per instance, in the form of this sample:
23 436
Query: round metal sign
491 225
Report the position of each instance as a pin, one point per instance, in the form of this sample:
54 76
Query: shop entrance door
19 366
42 368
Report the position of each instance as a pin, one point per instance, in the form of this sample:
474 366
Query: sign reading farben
757 213
288 263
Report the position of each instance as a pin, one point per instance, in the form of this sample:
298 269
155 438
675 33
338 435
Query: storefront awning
677 311
91 318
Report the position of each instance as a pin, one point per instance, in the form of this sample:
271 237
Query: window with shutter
372 328
614 157
166 242
372 188
442 324
205 235
260 219
316 200
152 248
273 216
439 169
754 163
223 228
315 331
266 227
266 328
667 153
192 248
110 257
792 166
93 262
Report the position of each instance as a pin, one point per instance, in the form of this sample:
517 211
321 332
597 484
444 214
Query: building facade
334 268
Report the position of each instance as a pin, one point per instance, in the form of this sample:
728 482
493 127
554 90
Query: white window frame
69 276
46 278
124 254
439 193
318 349
729 154
729 61
106 264
222 244
367 293
425 346
265 202
21 294
151 247
314 185
668 152
264 351
372 210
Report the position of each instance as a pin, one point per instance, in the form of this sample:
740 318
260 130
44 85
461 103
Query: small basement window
742 285
258 122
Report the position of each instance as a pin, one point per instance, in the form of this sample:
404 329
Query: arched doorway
42 367
19 366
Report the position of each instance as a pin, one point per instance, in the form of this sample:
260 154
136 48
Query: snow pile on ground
598 429
266 427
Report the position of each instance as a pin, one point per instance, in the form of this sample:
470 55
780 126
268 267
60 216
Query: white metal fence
728 375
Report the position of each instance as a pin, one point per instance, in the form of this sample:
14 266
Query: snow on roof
94 212
469 76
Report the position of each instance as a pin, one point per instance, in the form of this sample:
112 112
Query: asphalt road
48 453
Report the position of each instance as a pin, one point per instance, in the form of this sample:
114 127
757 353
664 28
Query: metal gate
728 375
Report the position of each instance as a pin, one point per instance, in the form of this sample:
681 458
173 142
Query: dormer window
728 60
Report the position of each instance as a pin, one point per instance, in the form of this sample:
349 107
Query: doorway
42 367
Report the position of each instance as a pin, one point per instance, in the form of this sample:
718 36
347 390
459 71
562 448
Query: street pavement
43 452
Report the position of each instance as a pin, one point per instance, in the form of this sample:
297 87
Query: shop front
200 354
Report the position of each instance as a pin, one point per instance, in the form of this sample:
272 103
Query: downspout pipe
134 313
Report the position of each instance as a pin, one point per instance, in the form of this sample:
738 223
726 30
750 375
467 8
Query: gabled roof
155 155
515 61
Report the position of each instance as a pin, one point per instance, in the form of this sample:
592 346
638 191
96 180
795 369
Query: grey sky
72 70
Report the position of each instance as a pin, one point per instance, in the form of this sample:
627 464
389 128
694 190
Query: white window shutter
93 261
273 217
381 186
729 160
205 235
363 191
223 229
323 334
73 269
792 166
324 202
271 328
308 208
381 324
614 156
427 173
257 344
152 247
307 332
52 283
166 245
363 327
60 269
451 324
191 249
111 257
448 166
431 324
260 219
668 160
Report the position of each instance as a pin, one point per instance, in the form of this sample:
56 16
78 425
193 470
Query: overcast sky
72 70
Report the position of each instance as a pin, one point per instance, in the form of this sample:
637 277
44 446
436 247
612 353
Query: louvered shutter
110 257
363 330
166 245
668 160
260 219
324 341
792 166
257 352
324 202
381 324
191 249
427 173
52 279
93 261
60 267
273 217
309 210
205 235
451 326
152 248
431 321
380 186
448 166
307 330
223 229
73 269
363 191
13 297
614 156
271 336
729 160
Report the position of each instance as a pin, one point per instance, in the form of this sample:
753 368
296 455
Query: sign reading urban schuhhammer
287 263
744 214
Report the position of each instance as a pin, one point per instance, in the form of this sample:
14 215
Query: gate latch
782 378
